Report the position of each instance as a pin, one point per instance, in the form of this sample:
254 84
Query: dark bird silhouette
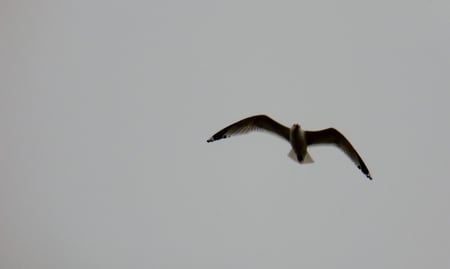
298 138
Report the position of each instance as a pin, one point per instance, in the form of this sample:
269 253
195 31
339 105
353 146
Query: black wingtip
364 169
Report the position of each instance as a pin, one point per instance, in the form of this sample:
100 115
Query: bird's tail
293 156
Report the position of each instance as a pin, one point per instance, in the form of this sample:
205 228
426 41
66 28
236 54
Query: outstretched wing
259 122
333 136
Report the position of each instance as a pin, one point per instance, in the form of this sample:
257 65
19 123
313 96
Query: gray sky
105 108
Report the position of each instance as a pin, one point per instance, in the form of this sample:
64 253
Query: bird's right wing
333 136
254 123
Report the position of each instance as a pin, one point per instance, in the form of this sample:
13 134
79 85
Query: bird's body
296 136
298 142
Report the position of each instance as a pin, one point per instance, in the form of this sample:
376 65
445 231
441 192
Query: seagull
298 138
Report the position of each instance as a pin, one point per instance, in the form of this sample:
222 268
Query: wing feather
253 123
333 136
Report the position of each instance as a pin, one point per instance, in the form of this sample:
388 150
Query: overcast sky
105 108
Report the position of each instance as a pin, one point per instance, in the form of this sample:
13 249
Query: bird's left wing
258 122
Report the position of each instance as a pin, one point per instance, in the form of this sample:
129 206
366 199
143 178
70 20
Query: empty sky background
105 108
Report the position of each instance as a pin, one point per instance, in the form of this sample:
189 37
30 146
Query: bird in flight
298 138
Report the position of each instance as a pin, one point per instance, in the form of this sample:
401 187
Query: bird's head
296 126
